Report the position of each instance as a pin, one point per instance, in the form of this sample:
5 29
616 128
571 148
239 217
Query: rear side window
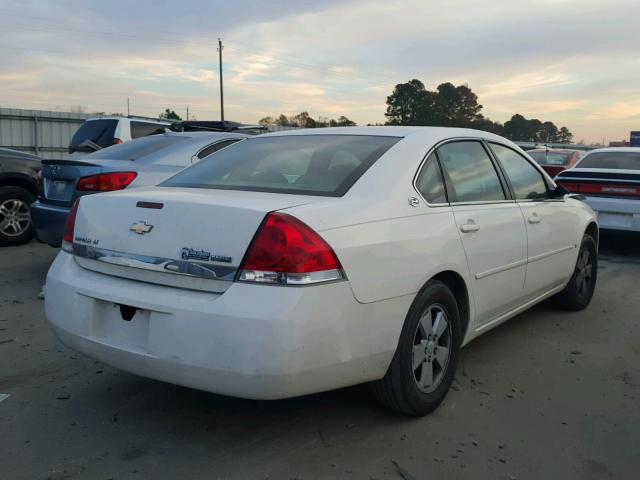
205 152
302 164
99 132
429 182
136 149
613 160
142 129
470 172
527 182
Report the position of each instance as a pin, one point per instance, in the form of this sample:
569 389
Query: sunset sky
576 63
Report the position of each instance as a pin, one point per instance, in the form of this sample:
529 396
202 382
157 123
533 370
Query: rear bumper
49 222
616 213
252 341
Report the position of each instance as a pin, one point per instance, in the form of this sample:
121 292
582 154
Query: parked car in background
304 261
609 179
102 132
18 189
555 160
145 161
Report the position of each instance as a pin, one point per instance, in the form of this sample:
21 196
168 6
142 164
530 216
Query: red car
555 160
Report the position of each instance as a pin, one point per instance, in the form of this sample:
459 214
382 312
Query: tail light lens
286 251
602 189
69 226
105 182
116 141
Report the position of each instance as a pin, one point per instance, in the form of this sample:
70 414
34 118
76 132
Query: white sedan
304 261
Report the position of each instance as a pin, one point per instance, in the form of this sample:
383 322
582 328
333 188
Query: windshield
550 158
136 149
613 160
302 164
99 132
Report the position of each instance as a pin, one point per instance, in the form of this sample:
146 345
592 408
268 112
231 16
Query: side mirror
559 192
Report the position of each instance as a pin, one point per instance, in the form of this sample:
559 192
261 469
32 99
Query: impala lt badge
141 227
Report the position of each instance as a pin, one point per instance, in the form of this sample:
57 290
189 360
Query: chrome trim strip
501 269
163 271
519 263
549 254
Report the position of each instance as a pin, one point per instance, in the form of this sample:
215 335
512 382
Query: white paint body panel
263 341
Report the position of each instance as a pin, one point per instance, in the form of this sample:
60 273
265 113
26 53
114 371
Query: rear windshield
97 131
614 160
550 158
302 164
136 149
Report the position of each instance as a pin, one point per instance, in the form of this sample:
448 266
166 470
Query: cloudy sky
576 63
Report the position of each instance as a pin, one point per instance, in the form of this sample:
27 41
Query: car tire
579 291
16 226
405 388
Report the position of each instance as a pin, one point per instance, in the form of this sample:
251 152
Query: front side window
470 172
526 181
301 164
429 182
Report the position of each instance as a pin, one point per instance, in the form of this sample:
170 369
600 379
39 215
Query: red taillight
105 182
117 141
285 250
572 187
602 189
69 226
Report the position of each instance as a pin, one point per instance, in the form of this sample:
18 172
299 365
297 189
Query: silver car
142 162
609 180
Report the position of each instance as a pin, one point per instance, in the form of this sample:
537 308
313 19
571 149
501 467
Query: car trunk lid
188 238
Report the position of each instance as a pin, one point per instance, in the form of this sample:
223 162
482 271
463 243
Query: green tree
267 121
549 132
564 135
282 121
344 122
170 115
461 107
406 104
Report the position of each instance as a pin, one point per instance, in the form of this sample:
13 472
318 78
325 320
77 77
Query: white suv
102 132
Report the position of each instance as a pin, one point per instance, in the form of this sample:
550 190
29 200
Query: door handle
534 218
469 227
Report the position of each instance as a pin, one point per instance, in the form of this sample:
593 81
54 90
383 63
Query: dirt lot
548 395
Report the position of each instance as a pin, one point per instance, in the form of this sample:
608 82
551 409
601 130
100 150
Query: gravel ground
547 395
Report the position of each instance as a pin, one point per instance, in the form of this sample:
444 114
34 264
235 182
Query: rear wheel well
592 230
459 288
19 182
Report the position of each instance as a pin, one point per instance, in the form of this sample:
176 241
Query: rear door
490 225
551 225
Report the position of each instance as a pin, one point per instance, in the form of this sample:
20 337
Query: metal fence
42 132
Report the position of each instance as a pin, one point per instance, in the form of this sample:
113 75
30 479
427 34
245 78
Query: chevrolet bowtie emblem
141 227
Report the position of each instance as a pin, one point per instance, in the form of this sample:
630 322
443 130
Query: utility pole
220 47
187 114
127 106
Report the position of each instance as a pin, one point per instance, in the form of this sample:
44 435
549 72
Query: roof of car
432 133
557 150
616 149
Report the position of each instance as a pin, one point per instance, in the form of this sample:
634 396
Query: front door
551 226
490 226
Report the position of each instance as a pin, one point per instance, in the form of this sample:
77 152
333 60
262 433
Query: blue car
139 163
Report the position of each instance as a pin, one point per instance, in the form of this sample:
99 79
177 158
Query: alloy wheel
584 272
15 218
431 348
